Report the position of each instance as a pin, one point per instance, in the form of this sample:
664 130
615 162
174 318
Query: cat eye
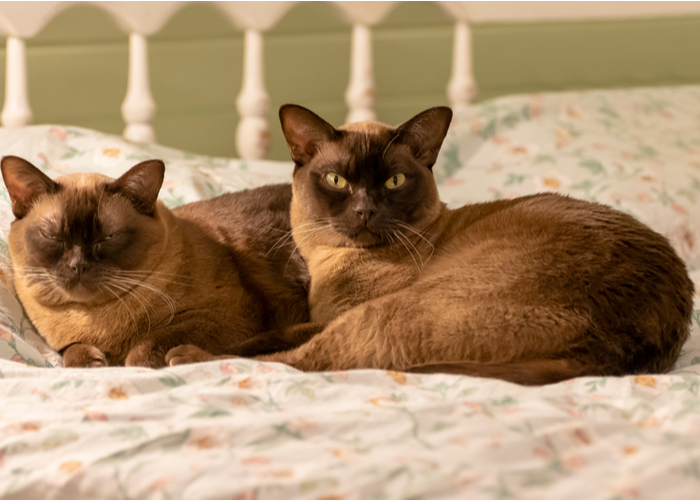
336 181
395 181
48 236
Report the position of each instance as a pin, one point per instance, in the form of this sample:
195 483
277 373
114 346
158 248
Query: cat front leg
81 355
190 327
188 353
263 343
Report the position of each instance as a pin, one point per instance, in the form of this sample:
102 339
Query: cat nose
78 264
364 206
365 213
79 268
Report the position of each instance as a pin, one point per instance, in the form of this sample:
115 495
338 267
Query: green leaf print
300 388
71 153
645 152
594 166
451 160
691 383
172 380
593 385
60 385
59 438
133 432
514 179
167 442
543 158
692 468
689 407
488 131
607 110
210 412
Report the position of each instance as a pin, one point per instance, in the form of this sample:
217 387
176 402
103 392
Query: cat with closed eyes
110 276
533 290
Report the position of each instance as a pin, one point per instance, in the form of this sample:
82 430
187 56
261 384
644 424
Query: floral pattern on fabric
245 430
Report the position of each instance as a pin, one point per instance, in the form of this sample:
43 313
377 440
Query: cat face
361 183
82 237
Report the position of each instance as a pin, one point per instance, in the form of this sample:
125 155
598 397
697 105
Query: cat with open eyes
110 276
532 290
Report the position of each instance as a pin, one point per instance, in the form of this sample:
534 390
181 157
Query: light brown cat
532 290
111 276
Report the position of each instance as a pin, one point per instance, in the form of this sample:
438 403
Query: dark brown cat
532 290
108 273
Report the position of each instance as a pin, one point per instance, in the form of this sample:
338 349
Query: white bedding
247 430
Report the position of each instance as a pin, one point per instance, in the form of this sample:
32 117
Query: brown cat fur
111 275
533 290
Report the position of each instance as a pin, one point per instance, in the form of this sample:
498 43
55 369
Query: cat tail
533 372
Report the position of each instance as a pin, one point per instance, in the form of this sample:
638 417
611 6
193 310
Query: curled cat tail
535 372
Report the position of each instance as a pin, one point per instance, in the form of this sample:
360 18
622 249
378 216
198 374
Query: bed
243 429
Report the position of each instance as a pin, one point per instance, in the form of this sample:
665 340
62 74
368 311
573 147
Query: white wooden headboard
22 20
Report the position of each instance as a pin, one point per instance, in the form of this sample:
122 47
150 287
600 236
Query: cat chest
344 278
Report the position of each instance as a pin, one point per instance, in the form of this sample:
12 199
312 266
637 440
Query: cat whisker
159 293
130 291
408 226
150 276
128 309
313 231
290 234
407 249
407 239
284 239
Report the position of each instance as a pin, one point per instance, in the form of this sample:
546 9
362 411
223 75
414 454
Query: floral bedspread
246 430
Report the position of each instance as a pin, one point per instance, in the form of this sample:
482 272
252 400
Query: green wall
77 66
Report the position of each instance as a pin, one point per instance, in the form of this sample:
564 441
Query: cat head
74 236
363 181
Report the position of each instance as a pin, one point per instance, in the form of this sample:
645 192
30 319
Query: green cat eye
395 181
336 180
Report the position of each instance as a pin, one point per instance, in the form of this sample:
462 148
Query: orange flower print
160 484
679 209
30 426
475 407
645 380
551 182
58 133
264 369
239 402
255 460
228 369
574 462
249 495
399 377
70 466
5 334
563 137
118 393
111 152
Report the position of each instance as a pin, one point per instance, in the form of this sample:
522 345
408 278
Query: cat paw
144 356
83 356
184 354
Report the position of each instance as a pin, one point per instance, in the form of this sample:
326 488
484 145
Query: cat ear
305 131
141 185
425 132
25 183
